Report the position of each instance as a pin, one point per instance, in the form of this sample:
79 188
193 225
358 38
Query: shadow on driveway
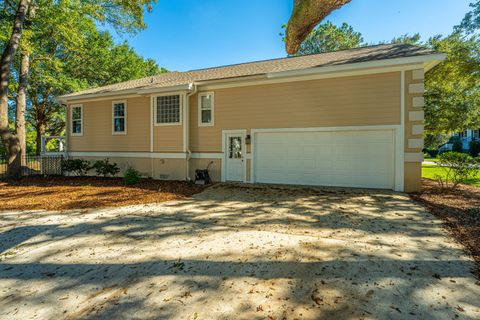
238 252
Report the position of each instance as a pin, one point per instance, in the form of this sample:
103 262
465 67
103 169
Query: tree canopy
452 88
471 22
97 62
67 51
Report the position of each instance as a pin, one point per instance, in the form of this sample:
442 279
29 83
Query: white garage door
362 158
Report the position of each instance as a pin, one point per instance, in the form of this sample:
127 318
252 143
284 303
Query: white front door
234 157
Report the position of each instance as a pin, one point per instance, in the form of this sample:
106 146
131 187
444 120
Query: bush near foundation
105 168
77 167
131 176
432 153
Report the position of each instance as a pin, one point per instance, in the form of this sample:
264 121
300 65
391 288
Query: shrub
105 168
458 168
474 148
77 167
131 176
432 153
453 139
457 146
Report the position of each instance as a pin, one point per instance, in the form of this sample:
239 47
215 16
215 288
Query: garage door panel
346 158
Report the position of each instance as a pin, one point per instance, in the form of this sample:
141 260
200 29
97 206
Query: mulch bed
63 193
460 211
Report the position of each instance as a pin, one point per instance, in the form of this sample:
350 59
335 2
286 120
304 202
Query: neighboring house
465 137
445 147
350 118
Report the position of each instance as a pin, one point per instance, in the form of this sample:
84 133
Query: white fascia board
362 65
432 64
123 93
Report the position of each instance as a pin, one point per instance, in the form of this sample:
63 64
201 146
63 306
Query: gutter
67 128
64 99
429 61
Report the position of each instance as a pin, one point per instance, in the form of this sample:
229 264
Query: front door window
235 148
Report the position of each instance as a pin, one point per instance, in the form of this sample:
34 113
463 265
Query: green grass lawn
429 172
431 159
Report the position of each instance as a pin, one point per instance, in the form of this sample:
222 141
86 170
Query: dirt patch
62 193
459 209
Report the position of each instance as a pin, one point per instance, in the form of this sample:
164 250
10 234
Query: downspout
193 90
67 128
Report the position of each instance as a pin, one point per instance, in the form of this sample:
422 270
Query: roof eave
66 98
433 63
429 61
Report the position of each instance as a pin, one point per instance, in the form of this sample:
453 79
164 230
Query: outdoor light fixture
248 139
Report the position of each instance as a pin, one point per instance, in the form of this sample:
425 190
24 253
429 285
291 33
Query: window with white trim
168 109
119 110
77 120
205 109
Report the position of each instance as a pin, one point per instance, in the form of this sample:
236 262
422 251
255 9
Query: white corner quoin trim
415 143
416 115
416 88
418 102
413 157
418 74
418 129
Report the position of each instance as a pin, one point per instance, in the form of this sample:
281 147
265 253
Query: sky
192 34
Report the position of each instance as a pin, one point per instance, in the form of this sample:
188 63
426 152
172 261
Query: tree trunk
9 140
38 141
21 108
305 16
40 130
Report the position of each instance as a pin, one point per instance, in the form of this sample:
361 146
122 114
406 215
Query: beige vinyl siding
346 101
169 169
168 138
97 127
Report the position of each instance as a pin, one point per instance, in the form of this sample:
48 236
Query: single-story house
349 118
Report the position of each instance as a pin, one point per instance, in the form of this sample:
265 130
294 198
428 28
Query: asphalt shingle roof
364 54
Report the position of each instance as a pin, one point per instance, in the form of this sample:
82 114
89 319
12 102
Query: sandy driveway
237 253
